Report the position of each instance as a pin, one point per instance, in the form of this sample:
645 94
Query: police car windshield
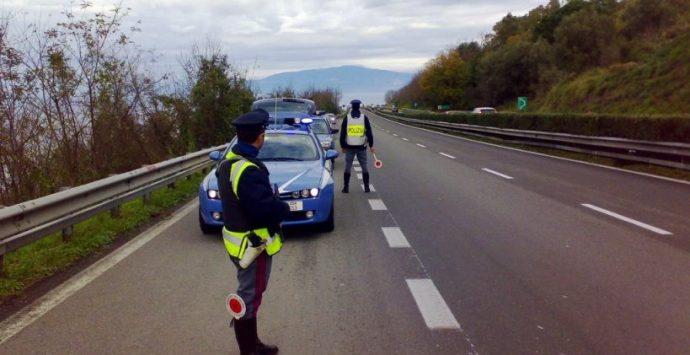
284 106
288 147
319 127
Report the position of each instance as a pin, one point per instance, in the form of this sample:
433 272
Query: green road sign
443 107
522 103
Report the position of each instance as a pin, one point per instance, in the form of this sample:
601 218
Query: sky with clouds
268 37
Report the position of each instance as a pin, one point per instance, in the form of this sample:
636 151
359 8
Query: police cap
355 102
252 121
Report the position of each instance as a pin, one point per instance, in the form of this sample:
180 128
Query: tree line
549 47
78 101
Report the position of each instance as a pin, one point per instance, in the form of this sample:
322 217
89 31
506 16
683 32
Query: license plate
295 205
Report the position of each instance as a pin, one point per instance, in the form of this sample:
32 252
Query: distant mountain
368 85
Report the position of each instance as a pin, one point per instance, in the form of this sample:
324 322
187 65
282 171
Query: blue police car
297 165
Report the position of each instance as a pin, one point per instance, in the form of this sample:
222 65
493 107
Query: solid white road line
447 155
52 299
371 187
434 309
498 174
359 176
377 205
629 220
395 237
358 168
421 145
406 140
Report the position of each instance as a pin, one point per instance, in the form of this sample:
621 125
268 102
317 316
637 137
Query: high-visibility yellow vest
236 242
355 131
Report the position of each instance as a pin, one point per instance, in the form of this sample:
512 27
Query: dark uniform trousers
253 282
361 154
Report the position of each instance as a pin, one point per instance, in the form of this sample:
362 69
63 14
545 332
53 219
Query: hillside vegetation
600 56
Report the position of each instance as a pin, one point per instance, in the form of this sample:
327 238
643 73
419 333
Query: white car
484 110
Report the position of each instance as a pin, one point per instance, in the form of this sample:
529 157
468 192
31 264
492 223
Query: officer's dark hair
248 136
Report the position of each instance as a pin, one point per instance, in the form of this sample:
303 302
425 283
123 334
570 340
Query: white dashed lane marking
406 140
358 168
497 174
395 135
431 304
377 205
421 145
447 155
628 220
395 237
359 176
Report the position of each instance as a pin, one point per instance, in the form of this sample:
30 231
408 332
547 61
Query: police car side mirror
331 154
214 155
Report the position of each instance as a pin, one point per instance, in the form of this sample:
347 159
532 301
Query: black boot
365 179
259 347
346 183
245 334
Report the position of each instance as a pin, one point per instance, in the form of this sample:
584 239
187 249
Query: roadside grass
34 262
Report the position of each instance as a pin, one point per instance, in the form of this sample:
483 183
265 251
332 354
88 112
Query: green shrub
674 128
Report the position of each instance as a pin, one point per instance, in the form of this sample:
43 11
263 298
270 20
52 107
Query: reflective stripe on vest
355 131
236 241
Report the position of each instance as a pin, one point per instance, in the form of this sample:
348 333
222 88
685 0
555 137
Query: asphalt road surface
461 248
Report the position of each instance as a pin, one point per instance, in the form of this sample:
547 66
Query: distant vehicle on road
282 109
394 109
484 110
323 132
331 119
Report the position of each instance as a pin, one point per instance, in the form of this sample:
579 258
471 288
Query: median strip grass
37 261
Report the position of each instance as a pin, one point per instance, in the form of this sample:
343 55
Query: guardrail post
115 212
67 234
147 198
2 265
171 185
69 230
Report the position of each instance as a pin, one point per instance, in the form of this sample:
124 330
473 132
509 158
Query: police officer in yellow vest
252 216
355 135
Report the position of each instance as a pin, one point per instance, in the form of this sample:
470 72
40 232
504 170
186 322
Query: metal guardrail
29 221
668 154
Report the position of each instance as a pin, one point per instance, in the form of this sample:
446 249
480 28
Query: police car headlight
295 194
314 192
213 194
305 193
